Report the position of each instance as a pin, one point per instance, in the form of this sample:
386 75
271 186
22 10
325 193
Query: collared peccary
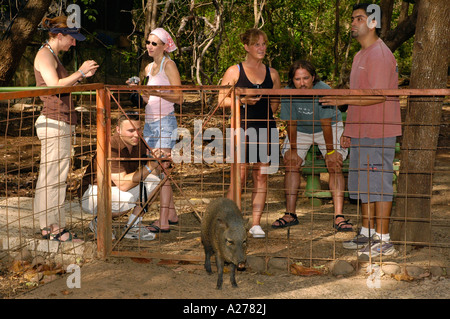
224 234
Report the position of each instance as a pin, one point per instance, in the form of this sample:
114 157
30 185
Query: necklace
46 44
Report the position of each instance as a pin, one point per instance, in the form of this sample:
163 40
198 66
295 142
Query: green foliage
89 11
296 30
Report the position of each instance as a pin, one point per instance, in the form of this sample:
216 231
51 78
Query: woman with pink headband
160 120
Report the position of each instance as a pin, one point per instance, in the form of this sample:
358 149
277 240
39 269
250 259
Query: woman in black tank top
256 118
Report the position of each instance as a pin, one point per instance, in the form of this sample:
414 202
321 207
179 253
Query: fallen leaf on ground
141 260
66 292
178 269
167 262
403 277
299 270
20 266
53 272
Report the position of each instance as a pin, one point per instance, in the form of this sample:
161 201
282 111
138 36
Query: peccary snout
224 235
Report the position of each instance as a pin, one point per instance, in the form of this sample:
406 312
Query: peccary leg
220 264
233 276
208 254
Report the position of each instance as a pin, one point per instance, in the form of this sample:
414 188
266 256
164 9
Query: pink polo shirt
374 68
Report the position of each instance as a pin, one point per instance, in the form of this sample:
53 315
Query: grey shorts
371 169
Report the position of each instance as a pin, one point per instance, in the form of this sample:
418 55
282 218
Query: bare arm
46 64
126 182
352 100
327 133
332 157
275 101
291 157
230 77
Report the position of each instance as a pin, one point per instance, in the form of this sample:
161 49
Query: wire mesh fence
206 164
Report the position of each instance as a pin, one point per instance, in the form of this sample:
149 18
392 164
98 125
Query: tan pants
50 194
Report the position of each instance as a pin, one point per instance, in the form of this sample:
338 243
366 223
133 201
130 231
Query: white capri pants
305 141
121 201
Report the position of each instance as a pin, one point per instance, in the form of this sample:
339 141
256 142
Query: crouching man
126 176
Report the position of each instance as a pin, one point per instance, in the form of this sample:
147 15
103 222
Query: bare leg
167 206
337 187
291 187
259 192
243 172
368 215
383 213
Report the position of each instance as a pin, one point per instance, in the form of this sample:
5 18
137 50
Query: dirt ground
124 278
145 278
314 240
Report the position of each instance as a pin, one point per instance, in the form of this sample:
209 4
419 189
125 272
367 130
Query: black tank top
261 110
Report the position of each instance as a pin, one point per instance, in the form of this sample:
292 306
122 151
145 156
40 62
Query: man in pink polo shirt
373 123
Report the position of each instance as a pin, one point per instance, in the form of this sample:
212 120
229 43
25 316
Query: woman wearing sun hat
55 126
160 121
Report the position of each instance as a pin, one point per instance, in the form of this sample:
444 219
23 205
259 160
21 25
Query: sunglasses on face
152 43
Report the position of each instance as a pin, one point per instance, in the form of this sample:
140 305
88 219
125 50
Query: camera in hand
134 80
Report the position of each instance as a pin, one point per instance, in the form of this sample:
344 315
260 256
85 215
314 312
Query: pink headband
165 37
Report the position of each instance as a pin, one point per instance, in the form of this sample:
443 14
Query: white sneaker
378 247
257 232
140 232
93 228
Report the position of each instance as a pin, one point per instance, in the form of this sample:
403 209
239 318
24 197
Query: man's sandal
282 223
345 222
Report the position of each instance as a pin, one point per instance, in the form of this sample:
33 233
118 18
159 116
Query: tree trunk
151 13
15 42
386 7
412 214
257 13
336 40
404 30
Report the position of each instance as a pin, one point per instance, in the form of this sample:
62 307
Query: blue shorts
161 133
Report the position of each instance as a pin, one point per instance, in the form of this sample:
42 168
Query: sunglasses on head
152 43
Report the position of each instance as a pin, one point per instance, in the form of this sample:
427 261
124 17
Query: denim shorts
161 133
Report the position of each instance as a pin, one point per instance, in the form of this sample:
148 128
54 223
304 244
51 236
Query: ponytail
54 23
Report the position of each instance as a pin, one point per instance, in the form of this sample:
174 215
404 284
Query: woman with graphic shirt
55 126
256 113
